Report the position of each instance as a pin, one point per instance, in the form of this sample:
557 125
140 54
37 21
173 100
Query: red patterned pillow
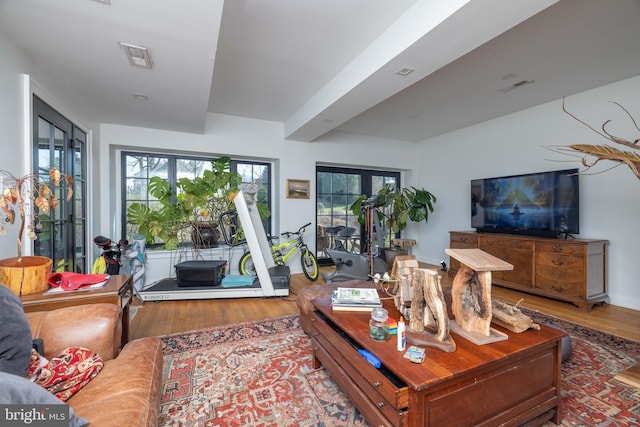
66 373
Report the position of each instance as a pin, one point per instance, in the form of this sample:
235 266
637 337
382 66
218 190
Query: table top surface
114 286
438 366
479 260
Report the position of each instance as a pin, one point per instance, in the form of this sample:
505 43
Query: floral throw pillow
66 373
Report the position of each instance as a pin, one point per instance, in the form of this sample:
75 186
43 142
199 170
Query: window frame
172 177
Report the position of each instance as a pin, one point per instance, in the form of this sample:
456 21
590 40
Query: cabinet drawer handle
377 384
313 319
380 404
557 287
557 248
557 261
315 334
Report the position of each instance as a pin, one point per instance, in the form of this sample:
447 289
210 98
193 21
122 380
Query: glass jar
379 324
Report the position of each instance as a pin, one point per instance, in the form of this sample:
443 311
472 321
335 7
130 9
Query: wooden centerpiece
25 275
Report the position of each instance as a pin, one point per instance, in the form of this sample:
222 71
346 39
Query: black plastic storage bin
200 273
280 275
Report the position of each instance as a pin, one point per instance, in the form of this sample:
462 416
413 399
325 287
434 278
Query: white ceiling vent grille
405 71
138 56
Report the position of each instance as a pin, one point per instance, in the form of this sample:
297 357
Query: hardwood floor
167 317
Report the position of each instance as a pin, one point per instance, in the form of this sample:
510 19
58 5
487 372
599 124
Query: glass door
336 189
58 143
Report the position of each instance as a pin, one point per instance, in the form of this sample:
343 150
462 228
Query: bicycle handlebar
289 233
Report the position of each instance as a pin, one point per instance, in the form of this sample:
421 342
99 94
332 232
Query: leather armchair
127 390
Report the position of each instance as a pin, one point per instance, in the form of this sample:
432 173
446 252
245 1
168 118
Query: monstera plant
191 212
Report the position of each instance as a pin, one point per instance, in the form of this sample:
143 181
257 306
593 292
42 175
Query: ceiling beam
427 37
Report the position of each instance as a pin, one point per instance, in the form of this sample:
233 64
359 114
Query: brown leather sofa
127 390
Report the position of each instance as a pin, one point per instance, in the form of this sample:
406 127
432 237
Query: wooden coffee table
510 382
119 291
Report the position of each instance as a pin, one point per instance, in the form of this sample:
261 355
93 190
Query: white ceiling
320 65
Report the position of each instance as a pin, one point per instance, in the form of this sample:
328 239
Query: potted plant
395 208
25 199
190 212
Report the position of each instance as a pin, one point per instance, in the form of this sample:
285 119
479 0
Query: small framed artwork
298 188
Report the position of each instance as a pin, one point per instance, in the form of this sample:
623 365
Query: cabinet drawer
383 388
512 243
458 239
560 247
368 408
560 273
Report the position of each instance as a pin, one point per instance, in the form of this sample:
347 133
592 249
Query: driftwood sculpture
592 154
510 317
401 273
471 290
428 318
471 300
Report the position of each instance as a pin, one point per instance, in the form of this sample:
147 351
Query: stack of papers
355 299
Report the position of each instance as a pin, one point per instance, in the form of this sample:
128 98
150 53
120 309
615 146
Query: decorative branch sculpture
19 193
605 152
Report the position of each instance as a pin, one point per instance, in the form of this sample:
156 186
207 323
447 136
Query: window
59 143
336 190
139 168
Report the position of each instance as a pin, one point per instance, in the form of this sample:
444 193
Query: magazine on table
355 299
354 307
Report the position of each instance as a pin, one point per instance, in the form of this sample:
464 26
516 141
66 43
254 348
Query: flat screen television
538 204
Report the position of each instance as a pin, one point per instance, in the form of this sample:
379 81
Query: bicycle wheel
309 265
246 265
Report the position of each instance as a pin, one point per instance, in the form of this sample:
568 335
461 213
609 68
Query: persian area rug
249 374
261 374
590 394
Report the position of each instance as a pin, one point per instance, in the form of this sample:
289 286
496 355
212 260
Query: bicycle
282 252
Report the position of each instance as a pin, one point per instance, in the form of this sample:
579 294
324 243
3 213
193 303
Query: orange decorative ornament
55 176
42 204
11 195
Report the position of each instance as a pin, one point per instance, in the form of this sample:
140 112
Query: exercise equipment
351 266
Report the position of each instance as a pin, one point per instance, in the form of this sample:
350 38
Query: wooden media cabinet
573 270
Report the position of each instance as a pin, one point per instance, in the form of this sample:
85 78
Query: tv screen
544 203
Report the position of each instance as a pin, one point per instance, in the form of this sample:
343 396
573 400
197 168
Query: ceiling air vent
138 56
405 71
516 85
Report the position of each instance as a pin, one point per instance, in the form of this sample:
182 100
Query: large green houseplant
192 210
396 208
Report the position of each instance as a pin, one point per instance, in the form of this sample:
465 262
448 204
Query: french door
336 189
58 143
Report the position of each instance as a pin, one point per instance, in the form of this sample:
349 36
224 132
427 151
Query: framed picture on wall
298 188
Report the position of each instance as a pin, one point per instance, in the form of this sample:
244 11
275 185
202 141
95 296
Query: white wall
12 159
515 144
19 79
